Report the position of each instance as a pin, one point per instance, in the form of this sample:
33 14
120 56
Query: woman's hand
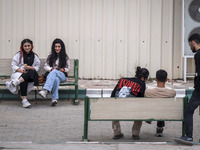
21 70
28 67
62 69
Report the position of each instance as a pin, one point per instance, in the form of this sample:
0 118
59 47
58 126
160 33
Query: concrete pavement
94 146
61 127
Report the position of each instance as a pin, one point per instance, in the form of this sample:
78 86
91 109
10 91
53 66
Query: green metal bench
6 71
133 109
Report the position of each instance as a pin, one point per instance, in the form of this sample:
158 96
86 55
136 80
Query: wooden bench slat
136 109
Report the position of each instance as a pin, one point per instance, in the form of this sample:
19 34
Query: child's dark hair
194 37
141 72
161 75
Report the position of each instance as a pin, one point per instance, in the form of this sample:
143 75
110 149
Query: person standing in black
194 102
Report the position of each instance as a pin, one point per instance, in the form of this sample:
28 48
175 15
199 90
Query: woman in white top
57 64
25 65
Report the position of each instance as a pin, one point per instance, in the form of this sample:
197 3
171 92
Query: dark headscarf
28 58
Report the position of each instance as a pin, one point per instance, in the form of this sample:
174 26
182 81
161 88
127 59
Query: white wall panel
155 36
144 31
87 56
1 28
6 32
167 39
132 37
97 44
109 37
177 71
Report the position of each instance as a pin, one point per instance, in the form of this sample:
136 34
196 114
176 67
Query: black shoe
149 122
119 136
135 137
159 132
184 140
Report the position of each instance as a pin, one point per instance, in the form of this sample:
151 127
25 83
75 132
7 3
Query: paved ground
61 127
94 146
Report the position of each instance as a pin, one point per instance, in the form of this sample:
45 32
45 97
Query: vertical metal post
76 80
185 68
86 113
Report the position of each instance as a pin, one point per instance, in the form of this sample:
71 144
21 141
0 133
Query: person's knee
57 79
53 72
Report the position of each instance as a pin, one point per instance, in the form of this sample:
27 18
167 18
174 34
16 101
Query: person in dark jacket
194 102
130 87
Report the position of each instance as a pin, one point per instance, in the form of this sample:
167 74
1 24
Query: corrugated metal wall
109 37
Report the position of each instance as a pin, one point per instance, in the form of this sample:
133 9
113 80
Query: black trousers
30 76
194 102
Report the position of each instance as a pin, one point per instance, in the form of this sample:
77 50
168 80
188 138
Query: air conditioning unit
191 25
191 22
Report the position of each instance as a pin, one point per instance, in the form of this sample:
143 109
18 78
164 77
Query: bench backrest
136 109
6 70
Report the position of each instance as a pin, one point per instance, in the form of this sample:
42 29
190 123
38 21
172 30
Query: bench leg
76 95
76 63
183 128
86 107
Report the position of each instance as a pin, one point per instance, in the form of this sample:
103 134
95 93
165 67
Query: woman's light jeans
53 81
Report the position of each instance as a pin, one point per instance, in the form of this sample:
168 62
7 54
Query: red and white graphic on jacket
135 87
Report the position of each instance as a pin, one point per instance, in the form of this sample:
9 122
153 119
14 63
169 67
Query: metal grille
195 30
194 10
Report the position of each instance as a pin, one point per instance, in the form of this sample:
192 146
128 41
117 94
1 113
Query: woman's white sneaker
54 102
25 103
43 93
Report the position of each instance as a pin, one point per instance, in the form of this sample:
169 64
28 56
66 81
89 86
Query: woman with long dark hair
57 65
25 65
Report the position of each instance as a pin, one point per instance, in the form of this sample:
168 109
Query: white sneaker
54 102
15 83
25 103
43 93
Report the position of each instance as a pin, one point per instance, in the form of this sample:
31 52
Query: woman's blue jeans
53 81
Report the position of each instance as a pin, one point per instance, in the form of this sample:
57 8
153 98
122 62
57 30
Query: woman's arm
46 65
67 68
15 64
